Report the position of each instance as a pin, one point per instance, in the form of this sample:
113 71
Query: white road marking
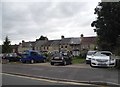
52 81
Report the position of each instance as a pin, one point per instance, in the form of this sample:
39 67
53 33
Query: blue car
32 56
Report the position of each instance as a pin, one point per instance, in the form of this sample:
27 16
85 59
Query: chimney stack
81 37
62 37
23 41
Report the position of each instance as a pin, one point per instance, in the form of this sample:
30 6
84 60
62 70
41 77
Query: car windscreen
102 54
57 55
90 52
24 55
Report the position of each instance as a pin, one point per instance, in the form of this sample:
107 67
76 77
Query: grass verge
78 60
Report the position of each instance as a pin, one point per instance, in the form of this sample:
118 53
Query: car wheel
44 60
23 61
64 63
70 63
92 65
20 60
86 62
32 61
7 61
52 63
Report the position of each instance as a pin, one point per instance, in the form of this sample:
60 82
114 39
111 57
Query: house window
47 48
44 48
65 46
61 46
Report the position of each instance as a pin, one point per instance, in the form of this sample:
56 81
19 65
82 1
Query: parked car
11 57
103 59
89 56
61 58
32 56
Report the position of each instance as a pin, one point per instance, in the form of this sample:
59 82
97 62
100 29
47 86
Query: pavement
80 73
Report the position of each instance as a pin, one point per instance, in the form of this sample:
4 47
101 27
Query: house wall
88 46
75 47
22 49
65 47
53 48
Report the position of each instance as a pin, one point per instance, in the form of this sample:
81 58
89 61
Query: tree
107 25
42 38
6 47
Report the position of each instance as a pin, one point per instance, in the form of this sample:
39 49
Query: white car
103 59
89 56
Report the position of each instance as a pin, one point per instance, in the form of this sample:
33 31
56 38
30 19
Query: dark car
11 57
32 56
61 58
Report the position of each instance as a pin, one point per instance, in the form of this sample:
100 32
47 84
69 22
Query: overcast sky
28 20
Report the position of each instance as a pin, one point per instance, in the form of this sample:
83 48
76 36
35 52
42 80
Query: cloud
29 20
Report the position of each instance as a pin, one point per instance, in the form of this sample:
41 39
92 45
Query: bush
48 57
83 53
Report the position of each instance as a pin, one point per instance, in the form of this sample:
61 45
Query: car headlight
112 59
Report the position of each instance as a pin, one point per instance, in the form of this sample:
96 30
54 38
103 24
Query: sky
29 19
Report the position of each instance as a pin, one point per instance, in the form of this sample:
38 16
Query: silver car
103 59
89 56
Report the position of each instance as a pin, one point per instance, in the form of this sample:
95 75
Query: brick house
26 46
88 43
63 44
75 45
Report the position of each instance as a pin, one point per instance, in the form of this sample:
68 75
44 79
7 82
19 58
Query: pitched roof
27 44
55 42
48 43
75 41
40 43
88 40
58 42
65 41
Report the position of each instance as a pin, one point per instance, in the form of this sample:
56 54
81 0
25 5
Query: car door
34 56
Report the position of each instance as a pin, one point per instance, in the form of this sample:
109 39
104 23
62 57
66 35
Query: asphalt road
65 72
8 79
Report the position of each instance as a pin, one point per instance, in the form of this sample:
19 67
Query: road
8 79
17 80
69 72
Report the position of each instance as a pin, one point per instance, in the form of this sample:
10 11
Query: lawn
78 60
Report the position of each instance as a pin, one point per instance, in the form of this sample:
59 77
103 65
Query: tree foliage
6 47
107 25
42 38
